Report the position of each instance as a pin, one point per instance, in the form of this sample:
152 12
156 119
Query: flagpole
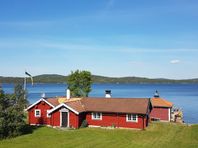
24 86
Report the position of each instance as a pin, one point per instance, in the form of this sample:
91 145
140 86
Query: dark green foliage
79 83
12 117
84 124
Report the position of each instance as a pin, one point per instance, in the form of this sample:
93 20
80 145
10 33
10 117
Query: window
131 118
97 116
48 116
37 112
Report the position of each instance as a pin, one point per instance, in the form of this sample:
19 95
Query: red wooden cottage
63 112
161 109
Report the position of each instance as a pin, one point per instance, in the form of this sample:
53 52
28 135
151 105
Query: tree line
53 78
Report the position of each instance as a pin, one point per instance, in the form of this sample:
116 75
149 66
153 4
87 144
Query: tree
79 83
12 117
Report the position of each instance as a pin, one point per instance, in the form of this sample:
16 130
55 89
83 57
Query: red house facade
117 112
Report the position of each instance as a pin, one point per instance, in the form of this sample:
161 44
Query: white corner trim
63 105
39 102
127 119
169 114
48 115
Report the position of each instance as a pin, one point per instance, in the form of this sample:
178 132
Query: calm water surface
184 96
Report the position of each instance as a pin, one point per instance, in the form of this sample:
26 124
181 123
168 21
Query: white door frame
61 111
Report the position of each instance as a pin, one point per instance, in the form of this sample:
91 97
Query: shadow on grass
29 129
19 131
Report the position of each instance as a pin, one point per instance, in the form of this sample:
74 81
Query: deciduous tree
79 83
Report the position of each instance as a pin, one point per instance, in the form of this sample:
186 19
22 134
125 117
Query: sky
115 38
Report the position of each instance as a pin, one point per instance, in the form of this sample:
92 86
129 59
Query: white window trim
92 116
48 115
36 114
127 119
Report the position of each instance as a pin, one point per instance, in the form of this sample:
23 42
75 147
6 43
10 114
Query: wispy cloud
175 61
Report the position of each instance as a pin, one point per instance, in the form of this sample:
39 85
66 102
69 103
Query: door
64 119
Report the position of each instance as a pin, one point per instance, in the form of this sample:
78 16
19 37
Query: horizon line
106 76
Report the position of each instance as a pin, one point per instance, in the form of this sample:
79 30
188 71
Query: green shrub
84 124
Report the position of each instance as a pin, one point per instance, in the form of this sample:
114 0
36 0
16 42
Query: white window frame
95 117
36 114
48 115
131 120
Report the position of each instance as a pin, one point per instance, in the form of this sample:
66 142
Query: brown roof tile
76 105
116 105
53 101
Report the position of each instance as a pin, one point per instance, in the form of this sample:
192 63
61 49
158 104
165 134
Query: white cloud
175 61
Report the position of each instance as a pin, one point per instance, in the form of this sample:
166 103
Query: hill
54 78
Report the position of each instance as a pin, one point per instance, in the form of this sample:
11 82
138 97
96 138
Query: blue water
184 96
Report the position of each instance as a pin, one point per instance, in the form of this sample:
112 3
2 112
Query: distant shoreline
54 78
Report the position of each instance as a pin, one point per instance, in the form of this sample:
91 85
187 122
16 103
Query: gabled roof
63 105
111 105
42 99
159 102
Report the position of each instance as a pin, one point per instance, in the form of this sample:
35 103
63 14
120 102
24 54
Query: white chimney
156 95
68 94
43 95
107 93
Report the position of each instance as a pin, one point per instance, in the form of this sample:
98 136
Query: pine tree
12 117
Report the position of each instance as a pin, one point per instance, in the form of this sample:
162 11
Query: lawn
156 135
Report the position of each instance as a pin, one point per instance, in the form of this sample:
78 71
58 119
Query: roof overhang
63 105
42 99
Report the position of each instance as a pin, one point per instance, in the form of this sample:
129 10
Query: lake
184 96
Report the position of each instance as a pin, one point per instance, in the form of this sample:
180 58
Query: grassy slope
157 135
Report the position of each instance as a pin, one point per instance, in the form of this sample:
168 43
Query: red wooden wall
118 120
160 113
108 119
39 120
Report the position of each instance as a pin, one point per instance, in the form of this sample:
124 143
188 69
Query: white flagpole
24 86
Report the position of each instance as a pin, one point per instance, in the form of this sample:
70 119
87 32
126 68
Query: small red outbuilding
161 109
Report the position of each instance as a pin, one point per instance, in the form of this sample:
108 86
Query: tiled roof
116 105
159 102
53 101
76 105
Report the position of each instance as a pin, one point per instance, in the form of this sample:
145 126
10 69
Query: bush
84 124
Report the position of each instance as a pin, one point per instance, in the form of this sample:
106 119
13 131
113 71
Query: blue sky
155 39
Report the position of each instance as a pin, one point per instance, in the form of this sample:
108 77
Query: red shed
118 112
161 109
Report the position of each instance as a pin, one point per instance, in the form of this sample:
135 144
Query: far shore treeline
54 78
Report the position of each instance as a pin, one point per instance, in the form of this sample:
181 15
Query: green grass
157 135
